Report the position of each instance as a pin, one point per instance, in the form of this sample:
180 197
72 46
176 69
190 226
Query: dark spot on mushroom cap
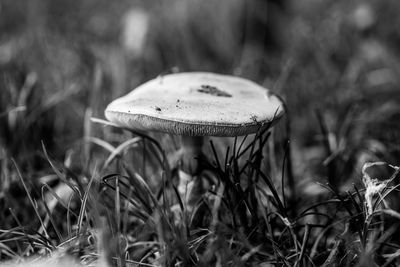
212 90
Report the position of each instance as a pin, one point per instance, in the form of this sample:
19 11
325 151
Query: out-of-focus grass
336 64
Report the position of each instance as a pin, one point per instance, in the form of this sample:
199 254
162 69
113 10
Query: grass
242 219
299 194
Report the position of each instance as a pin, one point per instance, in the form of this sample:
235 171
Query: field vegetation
318 189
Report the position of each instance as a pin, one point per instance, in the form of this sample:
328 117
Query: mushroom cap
197 104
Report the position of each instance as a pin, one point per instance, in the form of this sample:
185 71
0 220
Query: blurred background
335 63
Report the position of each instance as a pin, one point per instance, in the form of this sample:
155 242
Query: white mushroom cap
197 104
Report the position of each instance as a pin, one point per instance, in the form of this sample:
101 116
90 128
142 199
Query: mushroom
194 105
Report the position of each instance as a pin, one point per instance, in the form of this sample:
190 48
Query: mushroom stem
191 153
189 187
